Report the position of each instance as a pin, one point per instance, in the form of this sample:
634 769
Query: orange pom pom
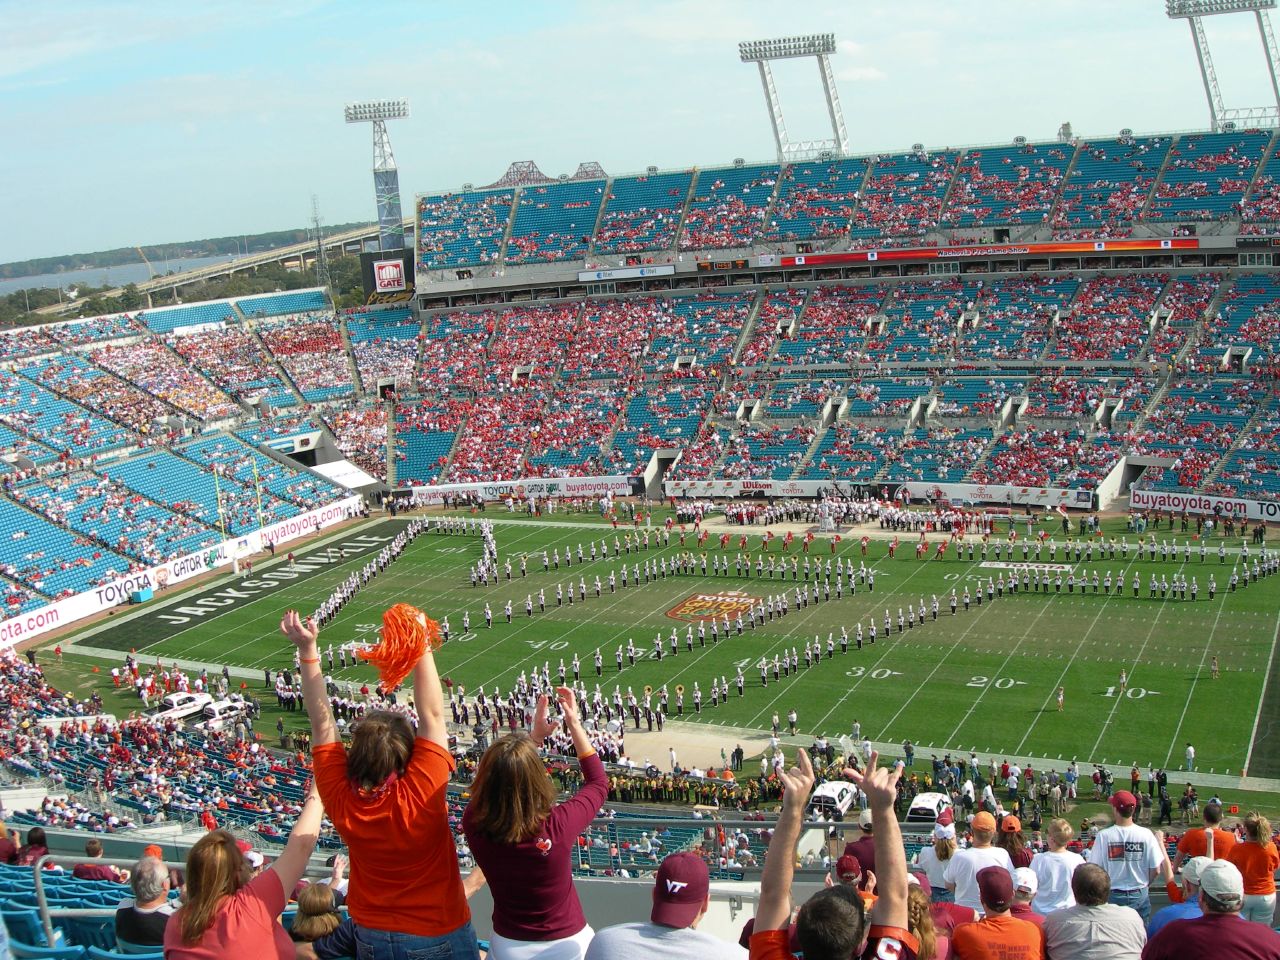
407 633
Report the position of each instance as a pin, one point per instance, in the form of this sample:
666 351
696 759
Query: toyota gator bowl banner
63 613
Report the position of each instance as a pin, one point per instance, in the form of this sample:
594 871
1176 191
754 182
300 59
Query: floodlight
781 48
1209 8
367 111
386 179
820 46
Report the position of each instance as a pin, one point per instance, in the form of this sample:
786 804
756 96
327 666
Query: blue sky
144 122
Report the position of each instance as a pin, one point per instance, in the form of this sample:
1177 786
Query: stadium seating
923 320
1207 175
463 229
935 455
312 353
1014 317
554 221
816 200
74 377
1196 424
642 213
1007 185
117 517
1042 458
229 457
1186 300
454 348
1109 183
832 327
969 397
778 312
282 304
425 434
884 398
848 452
903 196
1108 320
703 330
384 345
801 399
160 372
728 207
666 415
166 319
765 452
47 557
32 411
234 360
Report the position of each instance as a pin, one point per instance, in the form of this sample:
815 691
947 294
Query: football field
985 679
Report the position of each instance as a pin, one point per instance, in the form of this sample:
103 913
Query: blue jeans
385 945
1139 899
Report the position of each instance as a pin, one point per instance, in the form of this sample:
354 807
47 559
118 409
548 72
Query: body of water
103 276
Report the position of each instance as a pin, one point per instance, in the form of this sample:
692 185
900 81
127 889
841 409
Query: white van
221 713
179 706
926 807
831 801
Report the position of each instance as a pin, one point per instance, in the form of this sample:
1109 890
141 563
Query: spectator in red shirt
97 871
8 844
37 846
524 842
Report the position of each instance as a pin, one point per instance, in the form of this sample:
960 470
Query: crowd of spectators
74 377
1007 185
150 365
1108 319
903 194
727 208
312 353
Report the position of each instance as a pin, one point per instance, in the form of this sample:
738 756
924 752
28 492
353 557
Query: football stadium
874 548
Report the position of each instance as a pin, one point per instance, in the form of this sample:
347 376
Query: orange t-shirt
1258 864
1194 843
998 938
404 865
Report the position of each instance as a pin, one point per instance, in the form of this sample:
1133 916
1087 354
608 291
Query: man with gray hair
1218 932
143 921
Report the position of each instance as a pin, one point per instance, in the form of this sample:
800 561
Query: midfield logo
713 606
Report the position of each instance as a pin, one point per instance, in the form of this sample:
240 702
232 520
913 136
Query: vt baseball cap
1123 800
848 867
995 887
680 890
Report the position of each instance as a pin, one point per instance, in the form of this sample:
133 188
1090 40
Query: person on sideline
386 798
524 841
226 913
1256 859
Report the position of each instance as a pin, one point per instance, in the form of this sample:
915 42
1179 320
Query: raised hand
302 632
798 781
542 727
568 703
880 784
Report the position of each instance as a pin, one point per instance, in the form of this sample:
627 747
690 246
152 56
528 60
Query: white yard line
1248 757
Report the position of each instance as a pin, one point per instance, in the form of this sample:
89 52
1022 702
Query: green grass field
984 680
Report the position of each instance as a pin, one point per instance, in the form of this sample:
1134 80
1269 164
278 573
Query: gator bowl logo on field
713 606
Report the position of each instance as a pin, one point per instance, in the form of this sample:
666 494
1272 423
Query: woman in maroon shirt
524 842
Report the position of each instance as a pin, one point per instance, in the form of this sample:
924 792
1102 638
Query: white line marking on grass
1080 646
1248 757
1137 660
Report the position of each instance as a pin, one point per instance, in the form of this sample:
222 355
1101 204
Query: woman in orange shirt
386 797
1257 860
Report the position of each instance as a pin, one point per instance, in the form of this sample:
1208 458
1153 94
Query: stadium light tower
819 46
386 179
1194 12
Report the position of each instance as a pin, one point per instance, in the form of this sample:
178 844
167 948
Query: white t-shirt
1128 854
962 871
935 869
1053 870
649 941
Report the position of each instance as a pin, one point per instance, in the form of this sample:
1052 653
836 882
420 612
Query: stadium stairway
946 194
748 329
280 371
600 215
1258 171
1242 435
356 382
501 256
1032 229
684 211
809 454
1155 183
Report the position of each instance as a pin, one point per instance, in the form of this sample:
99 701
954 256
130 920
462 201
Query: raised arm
429 700
292 863
880 784
303 634
773 912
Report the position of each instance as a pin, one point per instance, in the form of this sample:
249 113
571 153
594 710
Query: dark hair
381 744
93 847
36 837
511 794
1213 814
1090 885
832 924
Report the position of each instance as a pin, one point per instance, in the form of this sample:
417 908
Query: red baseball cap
848 867
680 890
1123 799
995 887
